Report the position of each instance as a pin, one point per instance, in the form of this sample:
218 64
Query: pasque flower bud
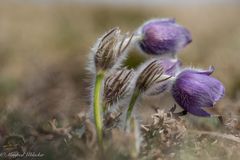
117 85
195 89
162 37
170 68
109 49
152 74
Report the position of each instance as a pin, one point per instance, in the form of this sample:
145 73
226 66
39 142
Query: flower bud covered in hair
116 85
170 68
110 49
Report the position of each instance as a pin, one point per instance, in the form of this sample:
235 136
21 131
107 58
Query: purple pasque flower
170 68
194 89
162 37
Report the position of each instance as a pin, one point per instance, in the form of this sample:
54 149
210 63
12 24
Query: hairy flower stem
133 100
98 108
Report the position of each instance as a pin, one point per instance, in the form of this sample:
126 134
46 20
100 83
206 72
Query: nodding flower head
151 75
194 89
163 37
117 85
110 48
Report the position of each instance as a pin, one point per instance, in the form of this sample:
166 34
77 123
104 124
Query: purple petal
216 88
212 86
171 66
198 112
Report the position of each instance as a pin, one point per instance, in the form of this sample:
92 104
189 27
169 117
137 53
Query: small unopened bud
151 74
110 48
117 85
170 67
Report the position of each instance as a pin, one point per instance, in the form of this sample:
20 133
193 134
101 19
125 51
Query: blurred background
44 46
